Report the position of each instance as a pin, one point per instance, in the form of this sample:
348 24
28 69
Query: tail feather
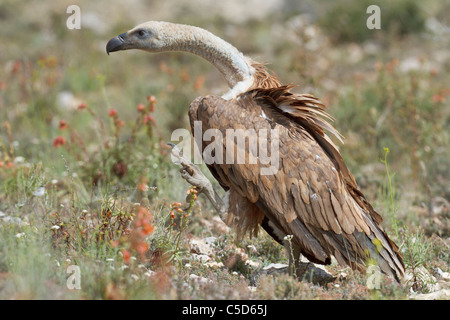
385 252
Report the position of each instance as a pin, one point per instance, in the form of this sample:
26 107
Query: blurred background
76 120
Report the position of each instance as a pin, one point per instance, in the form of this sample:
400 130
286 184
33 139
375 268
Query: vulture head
159 36
147 36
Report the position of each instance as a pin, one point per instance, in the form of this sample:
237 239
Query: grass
86 178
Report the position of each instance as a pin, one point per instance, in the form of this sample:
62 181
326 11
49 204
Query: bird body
311 197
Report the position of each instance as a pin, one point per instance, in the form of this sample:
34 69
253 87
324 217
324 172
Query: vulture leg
193 175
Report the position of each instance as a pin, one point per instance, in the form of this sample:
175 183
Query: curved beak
116 43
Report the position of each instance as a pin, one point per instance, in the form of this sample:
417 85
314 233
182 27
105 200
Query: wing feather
312 195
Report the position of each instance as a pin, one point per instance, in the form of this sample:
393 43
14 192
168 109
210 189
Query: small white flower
149 273
19 159
134 277
253 264
39 192
20 235
288 237
110 259
55 227
54 181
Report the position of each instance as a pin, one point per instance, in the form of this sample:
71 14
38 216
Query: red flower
141 107
438 98
119 123
82 106
148 118
143 187
147 228
62 124
152 100
112 113
59 141
142 247
126 255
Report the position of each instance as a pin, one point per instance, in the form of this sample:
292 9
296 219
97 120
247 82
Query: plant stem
394 218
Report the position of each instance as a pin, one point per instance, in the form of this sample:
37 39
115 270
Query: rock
305 271
443 279
199 246
220 226
275 267
437 285
234 255
215 224
425 279
440 275
200 257
241 254
211 241
437 295
313 273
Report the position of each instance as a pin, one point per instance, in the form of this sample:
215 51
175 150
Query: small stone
199 246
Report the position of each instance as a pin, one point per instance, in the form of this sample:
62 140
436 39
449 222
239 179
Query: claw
194 176
179 159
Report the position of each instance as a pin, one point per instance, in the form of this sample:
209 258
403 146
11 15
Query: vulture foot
193 175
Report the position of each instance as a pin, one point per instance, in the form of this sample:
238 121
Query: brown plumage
312 196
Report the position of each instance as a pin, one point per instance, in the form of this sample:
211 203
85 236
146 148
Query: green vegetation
85 172
345 21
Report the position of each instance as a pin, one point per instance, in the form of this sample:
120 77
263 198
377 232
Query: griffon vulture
311 200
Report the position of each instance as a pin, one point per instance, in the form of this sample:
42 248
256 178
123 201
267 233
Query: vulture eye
142 33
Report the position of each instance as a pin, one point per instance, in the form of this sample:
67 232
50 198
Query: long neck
226 58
